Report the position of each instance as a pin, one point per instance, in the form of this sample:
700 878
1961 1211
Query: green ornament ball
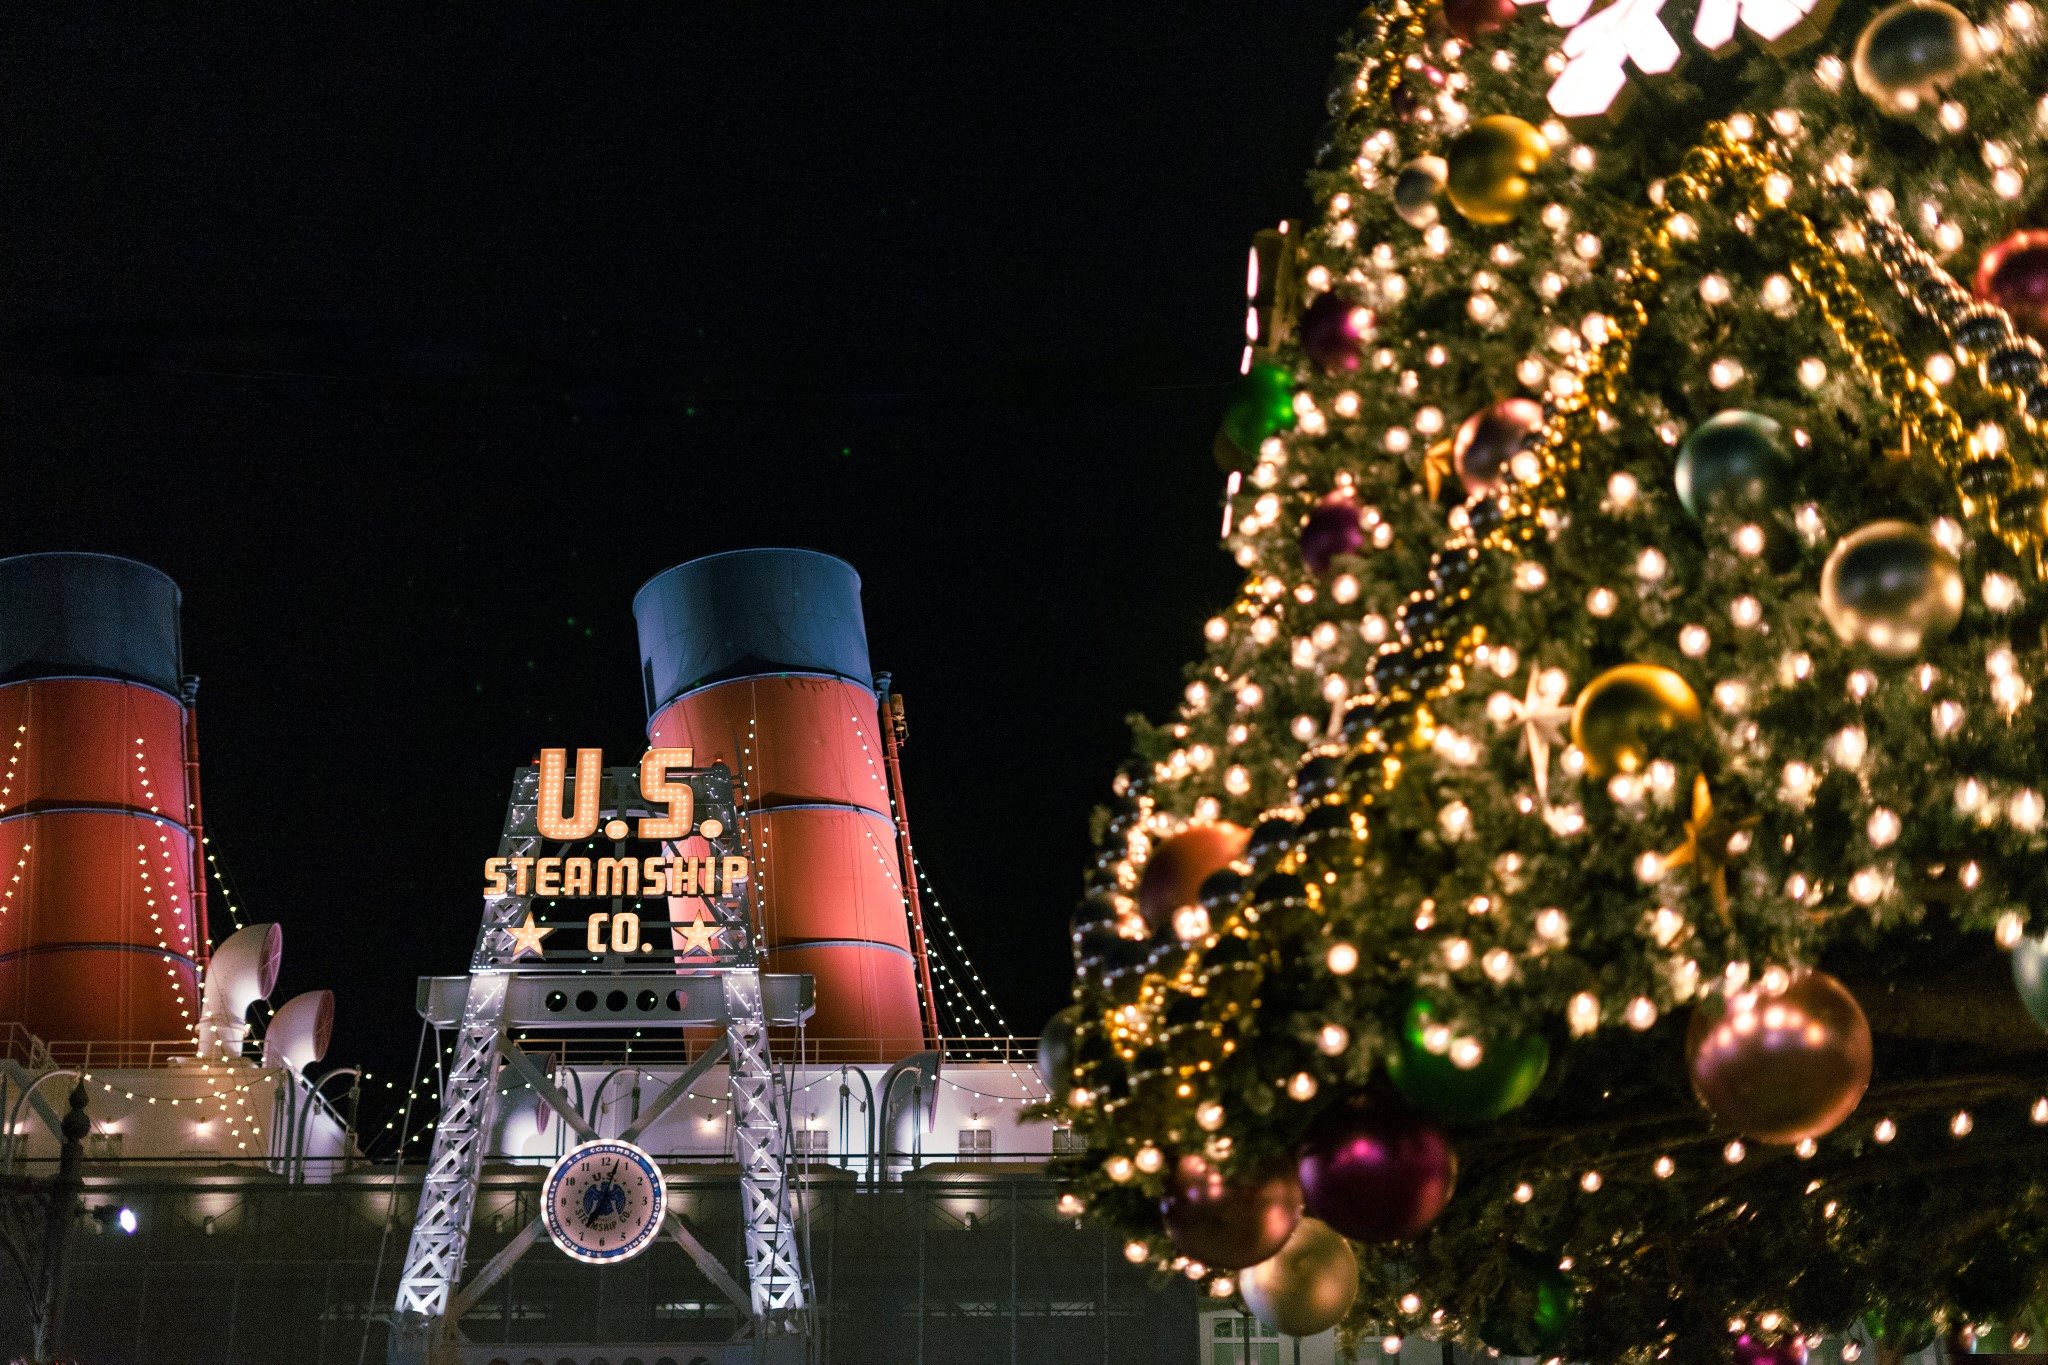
1507 1074
1904 1332
1908 53
1735 461
1261 403
1536 1309
1488 166
1892 587
2030 976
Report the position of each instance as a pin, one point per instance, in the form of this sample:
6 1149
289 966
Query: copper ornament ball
2014 275
1488 441
1619 716
1471 20
1174 874
1781 1068
1307 1286
1228 1225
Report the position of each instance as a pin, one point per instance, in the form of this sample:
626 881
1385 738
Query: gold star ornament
1437 467
1709 843
526 938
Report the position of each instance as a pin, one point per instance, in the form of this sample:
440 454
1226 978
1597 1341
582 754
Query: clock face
603 1202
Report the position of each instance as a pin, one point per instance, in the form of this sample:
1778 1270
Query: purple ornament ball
1332 529
1375 1169
1334 332
1751 1350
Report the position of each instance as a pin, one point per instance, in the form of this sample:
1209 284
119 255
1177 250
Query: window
1064 1143
977 1142
1239 1340
811 1142
103 1147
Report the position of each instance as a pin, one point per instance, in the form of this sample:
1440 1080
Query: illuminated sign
676 802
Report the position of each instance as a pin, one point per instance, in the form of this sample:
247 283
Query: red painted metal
92 742
893 728
96 942
99 941
810 767
197 824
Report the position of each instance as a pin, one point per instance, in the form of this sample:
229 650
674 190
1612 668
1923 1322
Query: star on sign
526 937
1540 719
700 936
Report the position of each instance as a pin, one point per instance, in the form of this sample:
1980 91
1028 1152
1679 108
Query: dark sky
410 345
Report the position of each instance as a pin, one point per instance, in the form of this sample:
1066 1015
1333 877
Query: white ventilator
242 971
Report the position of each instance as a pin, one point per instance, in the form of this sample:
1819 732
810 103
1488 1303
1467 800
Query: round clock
603 1201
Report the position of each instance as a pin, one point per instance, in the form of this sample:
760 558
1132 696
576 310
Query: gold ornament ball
1892 587
1489 165
1907 54
1307 1286
1621 712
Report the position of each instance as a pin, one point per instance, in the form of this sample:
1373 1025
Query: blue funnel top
745 612
87 615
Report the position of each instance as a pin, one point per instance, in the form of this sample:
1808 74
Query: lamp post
36 1218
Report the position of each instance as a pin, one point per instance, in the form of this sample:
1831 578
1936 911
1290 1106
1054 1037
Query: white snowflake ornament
1600 47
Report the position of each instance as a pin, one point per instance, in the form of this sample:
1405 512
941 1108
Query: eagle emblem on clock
604 1201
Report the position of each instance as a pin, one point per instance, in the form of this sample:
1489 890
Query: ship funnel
759 658
104 923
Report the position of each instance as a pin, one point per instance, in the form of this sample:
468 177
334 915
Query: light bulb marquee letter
582 822
657 790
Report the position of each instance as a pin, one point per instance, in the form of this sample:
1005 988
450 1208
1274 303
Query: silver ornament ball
1891 587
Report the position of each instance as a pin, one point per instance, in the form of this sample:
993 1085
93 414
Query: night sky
411 345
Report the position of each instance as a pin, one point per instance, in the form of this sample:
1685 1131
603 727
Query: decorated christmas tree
1588 902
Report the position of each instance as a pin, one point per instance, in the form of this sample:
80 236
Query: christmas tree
1596 868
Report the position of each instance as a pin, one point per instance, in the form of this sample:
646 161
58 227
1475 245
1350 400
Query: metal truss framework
431 1296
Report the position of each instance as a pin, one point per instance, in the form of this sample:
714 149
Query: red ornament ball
1175 872
1332 529
1334 332
1229 1226
2014 275
1490 438
1781 1068
1375 1169
1471 20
